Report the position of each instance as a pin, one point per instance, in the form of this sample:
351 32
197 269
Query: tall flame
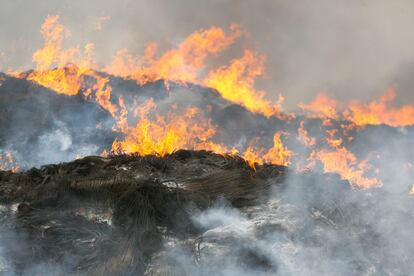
235 83
72 66
185 63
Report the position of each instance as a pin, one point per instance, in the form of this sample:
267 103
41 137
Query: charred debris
101 215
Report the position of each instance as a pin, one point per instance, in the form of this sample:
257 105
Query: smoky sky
349 49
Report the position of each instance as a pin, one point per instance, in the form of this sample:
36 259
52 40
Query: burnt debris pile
111 215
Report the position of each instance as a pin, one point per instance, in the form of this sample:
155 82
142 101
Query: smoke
312 224
315 225
351 49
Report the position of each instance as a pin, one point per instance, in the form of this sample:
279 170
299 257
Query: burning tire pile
170 164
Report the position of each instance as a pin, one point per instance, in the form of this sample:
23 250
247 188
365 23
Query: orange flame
53 53
164 135
322 106
304 137
373 113
343 162
65 80
182 64
235 83
337 158
69 71
378 112
68 78
277 155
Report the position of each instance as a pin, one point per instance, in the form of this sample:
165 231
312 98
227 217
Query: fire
277 155
7 162
73 67
182 64
235 83
185 63
304 137
343 162
336 158
164 134
412 191
72 71
53 53
378 112
67 77
100 22
67 80
322 106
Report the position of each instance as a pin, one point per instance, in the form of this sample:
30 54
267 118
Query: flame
235 83
164 134
67 77
100 22
376 112
67 80
412 191
69 71
277 155
379 112
7 162
53 53
343 162
73 67
185 63
182 64
322 106
336 158
304 137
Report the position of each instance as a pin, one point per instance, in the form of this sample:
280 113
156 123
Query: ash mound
197 213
